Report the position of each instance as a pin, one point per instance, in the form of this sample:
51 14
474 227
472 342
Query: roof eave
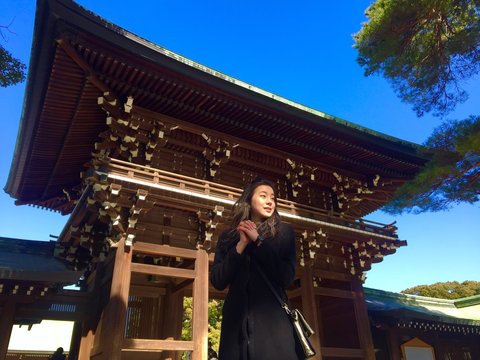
42 53
52 12
107 31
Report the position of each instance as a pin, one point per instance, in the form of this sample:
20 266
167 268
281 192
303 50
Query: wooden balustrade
121 170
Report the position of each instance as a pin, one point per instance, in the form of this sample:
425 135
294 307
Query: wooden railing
29 355
227 195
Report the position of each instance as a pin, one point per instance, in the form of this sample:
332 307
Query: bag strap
283 304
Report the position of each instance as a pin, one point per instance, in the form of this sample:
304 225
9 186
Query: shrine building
146 151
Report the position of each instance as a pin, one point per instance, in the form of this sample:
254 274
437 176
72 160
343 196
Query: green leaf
12 70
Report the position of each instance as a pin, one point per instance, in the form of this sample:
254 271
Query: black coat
254 326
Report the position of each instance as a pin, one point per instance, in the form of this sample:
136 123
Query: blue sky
298 50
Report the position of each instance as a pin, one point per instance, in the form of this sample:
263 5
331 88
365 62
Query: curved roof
78 57
33 262
465 311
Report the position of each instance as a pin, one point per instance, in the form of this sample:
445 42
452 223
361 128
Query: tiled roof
464 311
77 57
33 261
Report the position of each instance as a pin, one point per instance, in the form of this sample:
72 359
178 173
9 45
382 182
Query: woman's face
262 203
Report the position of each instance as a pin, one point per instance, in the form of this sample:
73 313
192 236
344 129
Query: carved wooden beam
215 152
129 136
350 192
210 220
110 217
275 153
89 73
310 244
140 205
299 175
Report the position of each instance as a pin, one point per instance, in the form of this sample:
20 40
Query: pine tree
427 49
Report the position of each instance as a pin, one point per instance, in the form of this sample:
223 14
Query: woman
254 326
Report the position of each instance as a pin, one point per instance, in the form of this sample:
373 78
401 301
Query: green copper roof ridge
467 301
412 298
418 299
424 301
218 74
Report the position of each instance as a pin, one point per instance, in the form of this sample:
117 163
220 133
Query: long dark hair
242 209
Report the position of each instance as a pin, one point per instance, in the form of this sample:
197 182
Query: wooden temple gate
152 262
164 147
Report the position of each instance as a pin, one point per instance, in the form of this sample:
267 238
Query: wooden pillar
172 312
200 307
91 325
6 323
393 344
75 341
363 323
86 344
309 307
112 324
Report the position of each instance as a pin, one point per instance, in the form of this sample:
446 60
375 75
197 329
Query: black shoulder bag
300 325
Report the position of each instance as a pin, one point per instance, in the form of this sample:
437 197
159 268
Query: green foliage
446 290
214 321
12 70
187 318
424 47
451 176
